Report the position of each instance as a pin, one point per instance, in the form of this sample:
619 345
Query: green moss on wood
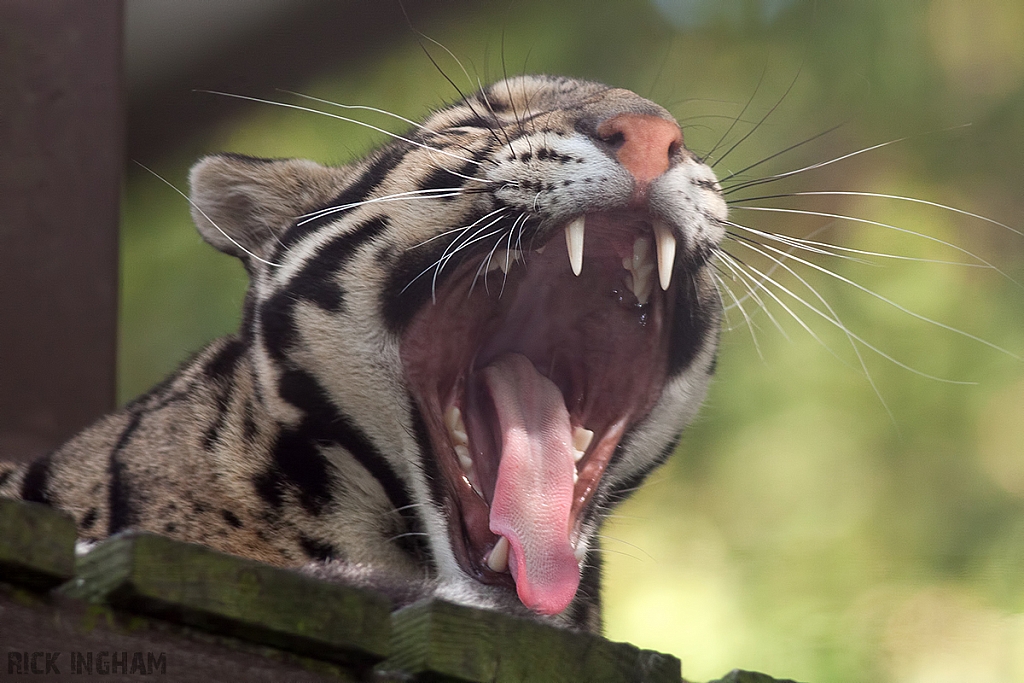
37 545
439 641
203 588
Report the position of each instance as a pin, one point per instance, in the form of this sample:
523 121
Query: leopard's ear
242 205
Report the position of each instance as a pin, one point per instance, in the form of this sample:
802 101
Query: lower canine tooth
574 243
497 560
580 551
581 439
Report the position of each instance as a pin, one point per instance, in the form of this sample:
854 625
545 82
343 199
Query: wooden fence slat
61 159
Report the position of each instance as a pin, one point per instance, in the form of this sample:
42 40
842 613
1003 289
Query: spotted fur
299 440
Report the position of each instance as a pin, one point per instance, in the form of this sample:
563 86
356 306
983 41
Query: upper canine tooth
666 244
574 242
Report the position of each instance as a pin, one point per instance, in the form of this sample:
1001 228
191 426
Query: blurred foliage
815 524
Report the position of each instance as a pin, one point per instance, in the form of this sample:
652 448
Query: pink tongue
534 489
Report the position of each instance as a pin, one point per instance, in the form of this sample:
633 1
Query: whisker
358 107
821 164
743 111
204 215
430 193
827 249
882 195
759 123
780 153
736 303
866 221
339 117
871 292
835 321
734 263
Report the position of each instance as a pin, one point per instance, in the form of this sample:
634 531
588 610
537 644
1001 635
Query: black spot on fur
249 421
123 513
231 518
212 435
170 528
88 520
298 461
33 487
4 476
473 120
268 486
223 363
278 324
526 156
317 280
317 550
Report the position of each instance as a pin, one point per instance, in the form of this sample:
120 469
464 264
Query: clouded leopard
456 355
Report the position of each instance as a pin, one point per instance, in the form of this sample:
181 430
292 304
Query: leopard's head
509 310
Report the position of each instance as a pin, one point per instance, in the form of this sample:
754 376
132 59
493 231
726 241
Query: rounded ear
242 205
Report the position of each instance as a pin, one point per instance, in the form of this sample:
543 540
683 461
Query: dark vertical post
61 141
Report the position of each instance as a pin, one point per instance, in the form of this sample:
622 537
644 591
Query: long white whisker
732 263
833 316
866 221
738 304
812 167
429 193
839 324
360 107
882 195
204 215
439 263
827 249
357 122
462 229
902 309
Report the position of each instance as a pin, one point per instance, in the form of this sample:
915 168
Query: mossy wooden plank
203 588
439 641
37 545
740 676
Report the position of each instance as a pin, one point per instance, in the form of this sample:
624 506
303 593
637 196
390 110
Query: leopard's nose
643 143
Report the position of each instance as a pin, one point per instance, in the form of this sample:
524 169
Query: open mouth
529 367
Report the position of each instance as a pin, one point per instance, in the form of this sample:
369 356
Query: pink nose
645 143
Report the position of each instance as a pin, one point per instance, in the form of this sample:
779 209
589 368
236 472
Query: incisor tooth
497 560
665 241
574 242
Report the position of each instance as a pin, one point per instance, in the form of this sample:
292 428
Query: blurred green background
814 524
